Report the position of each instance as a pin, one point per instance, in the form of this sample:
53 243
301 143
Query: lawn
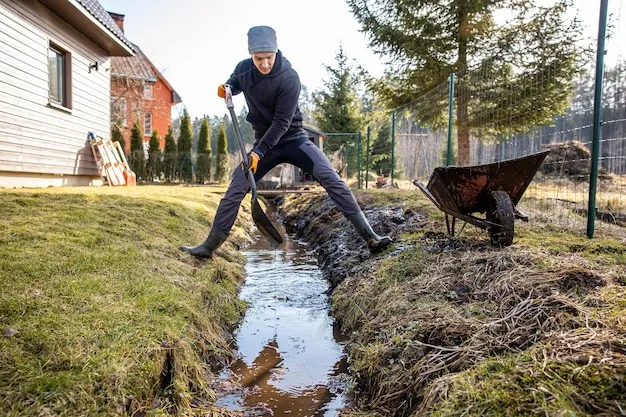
102 315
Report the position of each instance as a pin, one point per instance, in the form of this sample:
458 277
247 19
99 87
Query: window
59 76
147 124
118 110
147 91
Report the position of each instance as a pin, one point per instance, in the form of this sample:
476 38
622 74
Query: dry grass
450 327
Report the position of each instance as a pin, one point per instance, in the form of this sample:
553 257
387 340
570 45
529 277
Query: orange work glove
253 161
221 91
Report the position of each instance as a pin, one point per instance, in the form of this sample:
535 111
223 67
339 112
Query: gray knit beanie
262 39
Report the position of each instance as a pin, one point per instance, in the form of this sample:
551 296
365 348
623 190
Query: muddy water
292 362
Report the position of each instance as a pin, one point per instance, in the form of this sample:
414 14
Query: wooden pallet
111 161
129 175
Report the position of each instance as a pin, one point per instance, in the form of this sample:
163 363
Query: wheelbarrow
491 189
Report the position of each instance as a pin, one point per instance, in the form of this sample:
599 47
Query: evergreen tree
118 136
221 161
184 148
247 133
203 160
154 156
137 158
337 107
427 40
170 156
380 158
305 103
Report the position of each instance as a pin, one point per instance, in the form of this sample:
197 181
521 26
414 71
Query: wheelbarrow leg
450 224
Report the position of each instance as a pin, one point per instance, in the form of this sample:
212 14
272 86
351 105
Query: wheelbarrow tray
462 191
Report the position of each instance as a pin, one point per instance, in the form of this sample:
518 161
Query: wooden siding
34 137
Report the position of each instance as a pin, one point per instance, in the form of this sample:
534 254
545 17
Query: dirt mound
569 159
339 246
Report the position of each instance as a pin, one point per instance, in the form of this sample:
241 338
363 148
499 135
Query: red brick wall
136 106
161 108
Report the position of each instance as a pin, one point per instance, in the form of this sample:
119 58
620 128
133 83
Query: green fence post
393 143
367 159
358 159
450 115
597 106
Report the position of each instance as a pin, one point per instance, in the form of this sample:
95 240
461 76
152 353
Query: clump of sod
101 313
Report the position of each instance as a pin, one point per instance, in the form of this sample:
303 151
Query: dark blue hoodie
272 101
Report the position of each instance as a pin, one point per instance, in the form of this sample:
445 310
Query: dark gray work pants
300 152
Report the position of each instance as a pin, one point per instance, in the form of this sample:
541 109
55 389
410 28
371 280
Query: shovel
261 220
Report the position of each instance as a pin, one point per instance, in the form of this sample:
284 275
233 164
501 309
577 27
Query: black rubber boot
375 243
205 250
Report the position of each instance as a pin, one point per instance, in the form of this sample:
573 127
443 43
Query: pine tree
118 136
221 162
337 110
337 107
154 156
170 156
203 160
137 158
425 41
381 150
184 148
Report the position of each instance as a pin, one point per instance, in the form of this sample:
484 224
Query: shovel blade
264 224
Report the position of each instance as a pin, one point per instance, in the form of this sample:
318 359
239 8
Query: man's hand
221 91
253 161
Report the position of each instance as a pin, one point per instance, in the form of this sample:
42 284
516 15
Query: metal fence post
358 159
450 115
367 158
393 143
597 106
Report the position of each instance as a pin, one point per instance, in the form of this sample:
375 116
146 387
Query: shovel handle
242 146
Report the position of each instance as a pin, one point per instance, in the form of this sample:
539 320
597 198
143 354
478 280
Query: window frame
147 128
149 88
64 77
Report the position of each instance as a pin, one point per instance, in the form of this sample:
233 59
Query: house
139 92
55 86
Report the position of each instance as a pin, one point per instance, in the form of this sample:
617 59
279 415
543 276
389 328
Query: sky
196 44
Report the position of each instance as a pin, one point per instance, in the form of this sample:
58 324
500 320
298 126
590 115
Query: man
271 88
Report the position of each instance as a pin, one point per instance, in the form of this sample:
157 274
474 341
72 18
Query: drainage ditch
291 358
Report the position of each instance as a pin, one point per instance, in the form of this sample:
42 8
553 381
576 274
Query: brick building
140 92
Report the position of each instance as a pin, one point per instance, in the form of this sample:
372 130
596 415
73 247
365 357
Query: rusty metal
461 192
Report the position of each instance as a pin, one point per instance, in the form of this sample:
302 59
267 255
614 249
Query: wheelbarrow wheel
502 214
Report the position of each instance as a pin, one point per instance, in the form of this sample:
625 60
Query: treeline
185 155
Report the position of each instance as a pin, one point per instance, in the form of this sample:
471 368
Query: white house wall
41 145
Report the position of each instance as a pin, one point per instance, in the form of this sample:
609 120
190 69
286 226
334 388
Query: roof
95 8
89 18
139 67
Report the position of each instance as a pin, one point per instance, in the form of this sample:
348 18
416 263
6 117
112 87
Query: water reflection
291 357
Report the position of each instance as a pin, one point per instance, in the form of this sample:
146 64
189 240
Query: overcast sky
197 43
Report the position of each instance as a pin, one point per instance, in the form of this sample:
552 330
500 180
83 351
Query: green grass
103 314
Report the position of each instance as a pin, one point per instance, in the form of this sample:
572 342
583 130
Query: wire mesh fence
515 116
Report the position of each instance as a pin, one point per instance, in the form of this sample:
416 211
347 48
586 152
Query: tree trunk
463 145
